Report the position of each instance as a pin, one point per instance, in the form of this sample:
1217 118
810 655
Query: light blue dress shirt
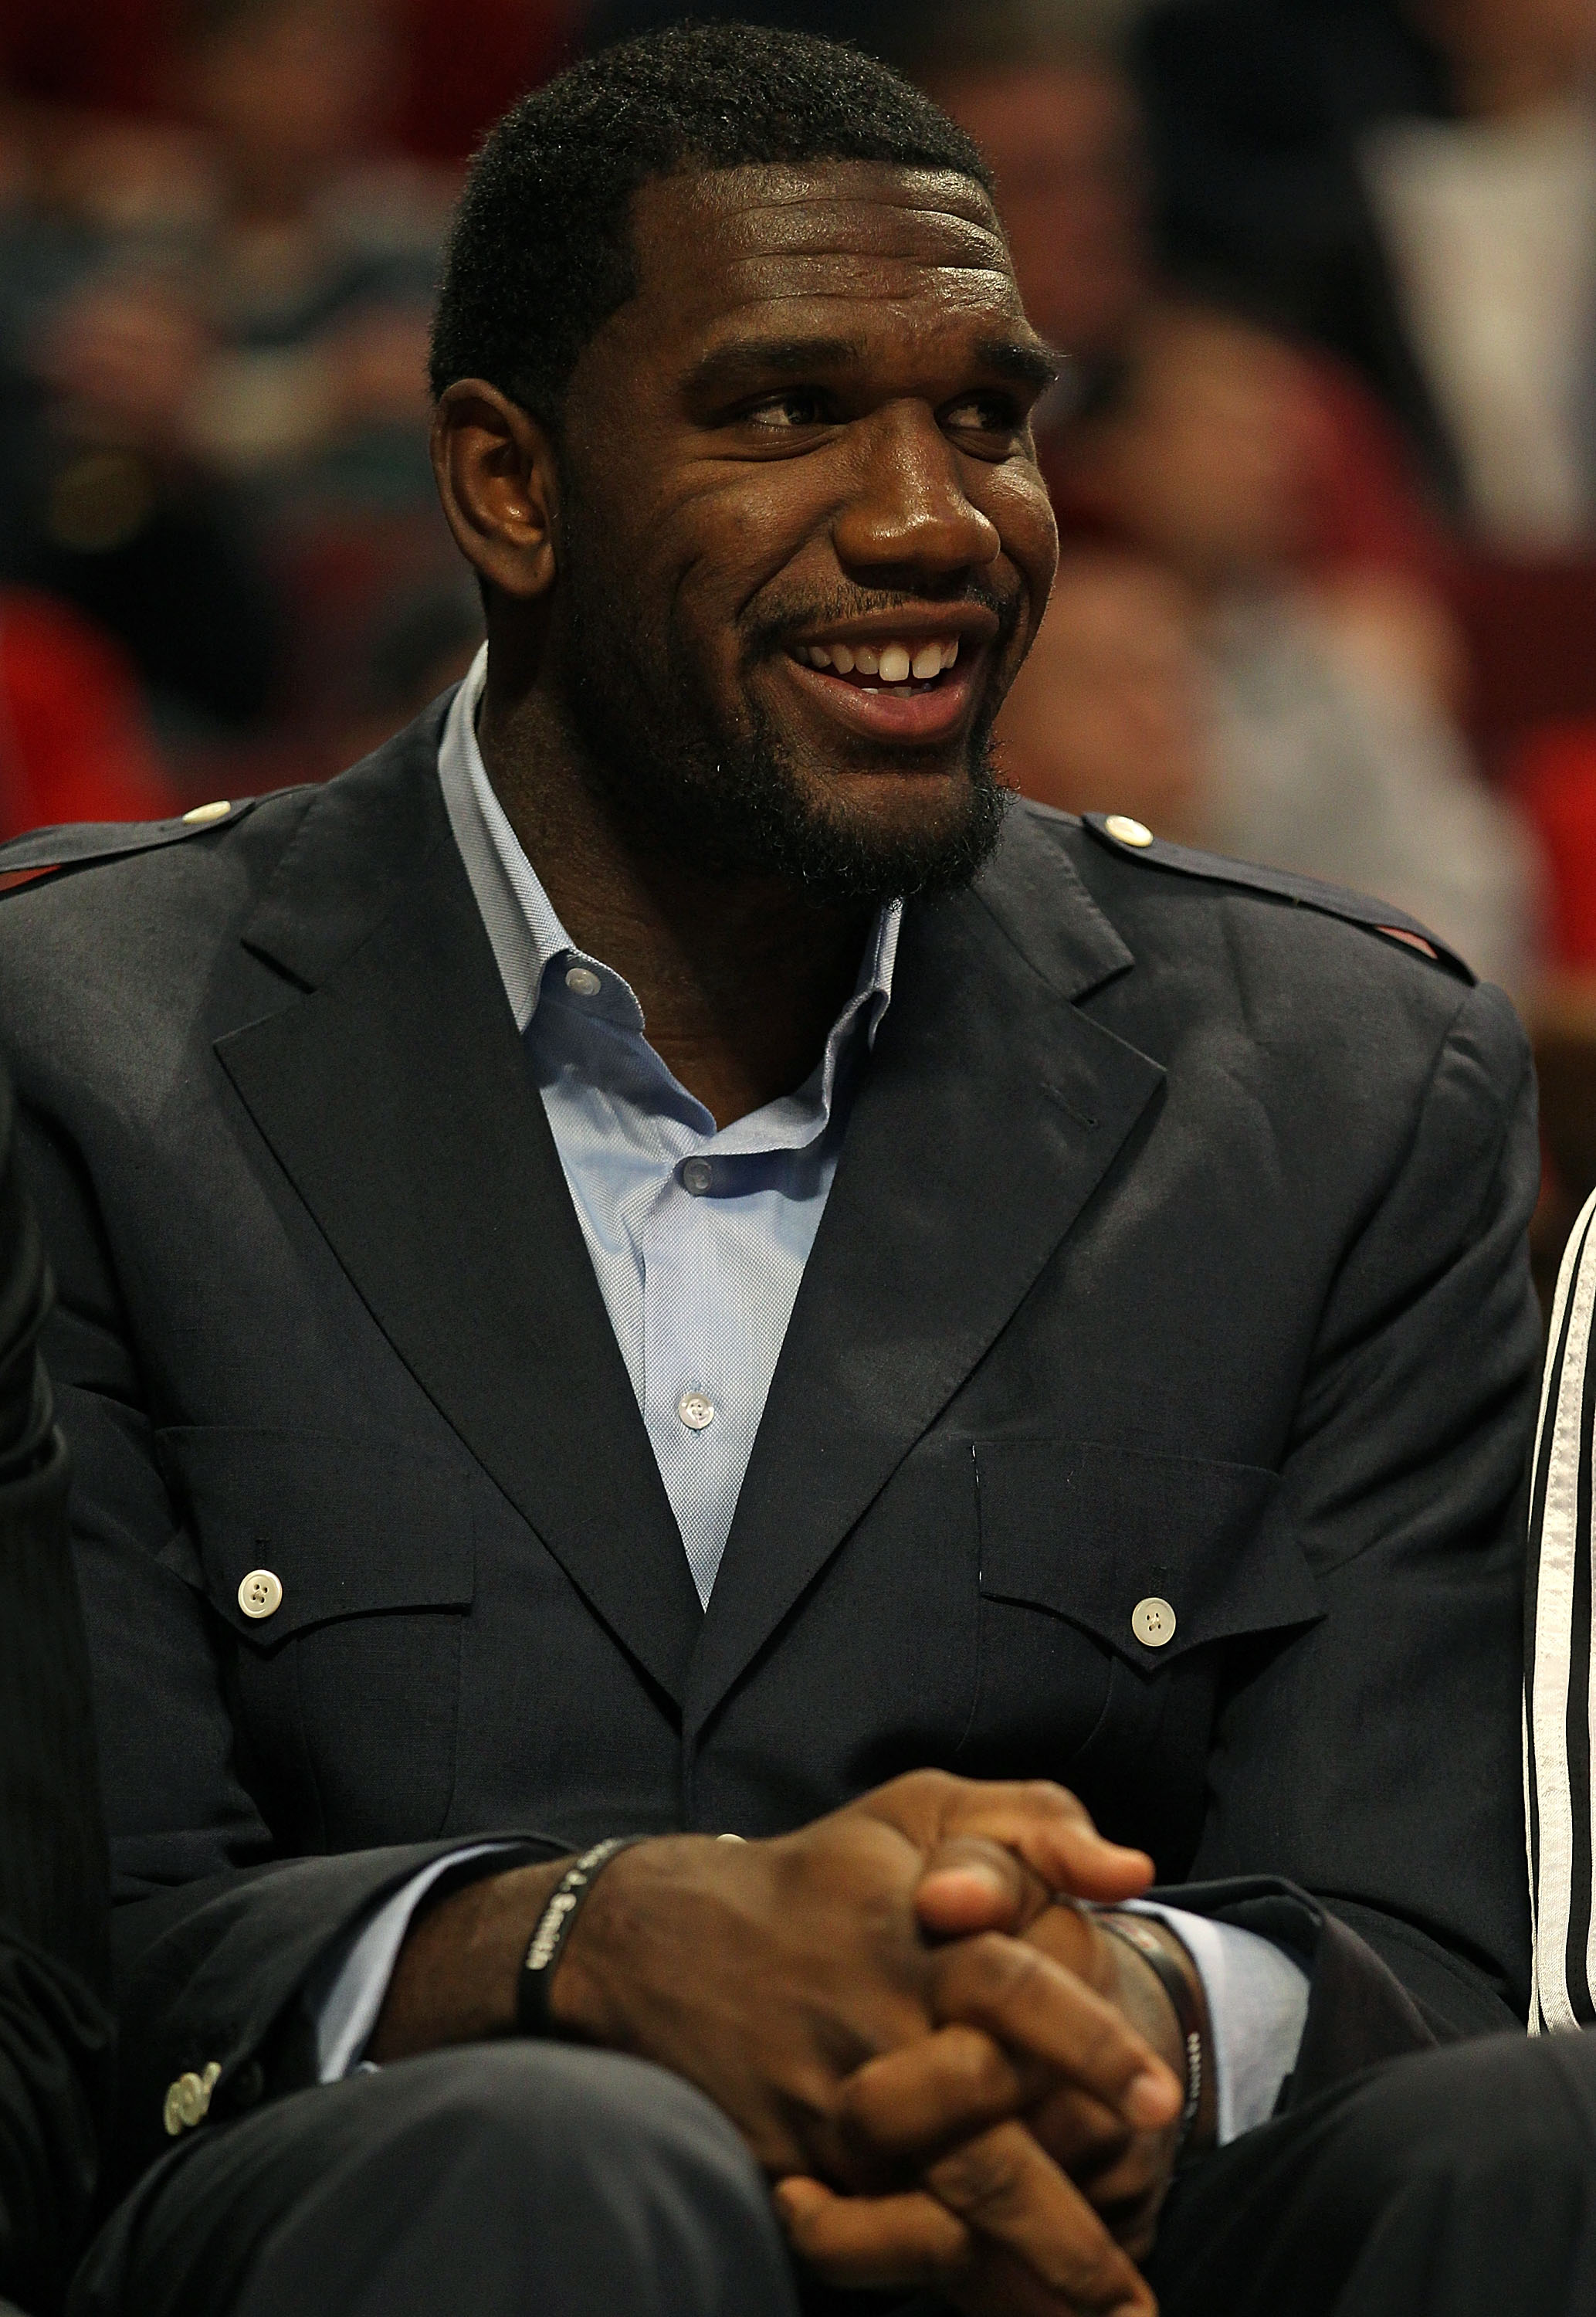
699 1238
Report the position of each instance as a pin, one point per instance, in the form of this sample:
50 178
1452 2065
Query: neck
740 979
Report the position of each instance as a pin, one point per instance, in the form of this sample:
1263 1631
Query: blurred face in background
1207 460
1111 711
291 89
1064 142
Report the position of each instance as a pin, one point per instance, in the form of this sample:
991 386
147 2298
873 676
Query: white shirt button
200 814
1125 831
1152 1622
696 1411
584 982
261 1594
697 1175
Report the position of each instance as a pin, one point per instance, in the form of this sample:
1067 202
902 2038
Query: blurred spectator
1258 731
102 499
1414 183
1489 223
74 741
312 265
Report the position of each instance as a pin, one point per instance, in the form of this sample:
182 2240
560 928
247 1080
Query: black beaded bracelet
533 2016
1176 1984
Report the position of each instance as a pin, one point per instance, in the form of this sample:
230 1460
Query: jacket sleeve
54 2032
214 1936
1373 1759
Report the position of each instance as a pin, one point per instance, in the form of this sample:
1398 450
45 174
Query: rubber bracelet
1176 1984
533 2016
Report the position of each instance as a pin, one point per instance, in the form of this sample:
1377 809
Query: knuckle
980 2180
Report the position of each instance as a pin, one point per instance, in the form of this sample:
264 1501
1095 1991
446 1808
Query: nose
907 521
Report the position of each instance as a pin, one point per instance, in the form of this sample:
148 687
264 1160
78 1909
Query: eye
784 414
996 417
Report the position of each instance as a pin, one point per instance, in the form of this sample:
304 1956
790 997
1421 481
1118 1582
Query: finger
874 2242
973 1884
1005 2189
1032 2006
1052 1832
912 2103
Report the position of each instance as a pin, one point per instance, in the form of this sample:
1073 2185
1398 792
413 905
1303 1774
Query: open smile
911 688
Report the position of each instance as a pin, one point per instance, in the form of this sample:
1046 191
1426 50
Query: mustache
780 622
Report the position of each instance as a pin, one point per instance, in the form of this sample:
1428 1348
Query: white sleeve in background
1258 2005
346 1992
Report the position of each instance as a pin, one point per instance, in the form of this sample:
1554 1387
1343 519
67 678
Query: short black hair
540 253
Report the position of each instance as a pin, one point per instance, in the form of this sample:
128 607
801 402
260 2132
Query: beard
734 803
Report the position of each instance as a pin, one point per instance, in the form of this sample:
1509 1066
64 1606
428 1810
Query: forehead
768 246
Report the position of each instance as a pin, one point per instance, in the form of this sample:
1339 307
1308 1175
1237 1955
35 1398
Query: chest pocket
357 1554
1154 1556
1116 1588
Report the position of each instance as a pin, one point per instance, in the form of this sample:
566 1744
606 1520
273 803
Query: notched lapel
991 1111
397 1098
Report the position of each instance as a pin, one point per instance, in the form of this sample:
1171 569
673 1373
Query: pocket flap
348 1523
1098 1534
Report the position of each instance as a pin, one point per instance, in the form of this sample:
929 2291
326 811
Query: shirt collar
523 923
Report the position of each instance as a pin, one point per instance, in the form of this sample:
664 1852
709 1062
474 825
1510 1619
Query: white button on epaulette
1152 1622
188 2101
201 812
1125 831
261 1594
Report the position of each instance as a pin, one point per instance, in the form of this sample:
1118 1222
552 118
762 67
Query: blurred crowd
1324 453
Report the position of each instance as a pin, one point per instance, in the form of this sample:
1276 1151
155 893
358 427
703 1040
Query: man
646 1264
55 2035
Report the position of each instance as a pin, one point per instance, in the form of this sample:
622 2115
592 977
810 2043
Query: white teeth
894 663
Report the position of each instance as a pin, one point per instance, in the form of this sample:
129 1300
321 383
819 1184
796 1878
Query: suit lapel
397 1098
989 1112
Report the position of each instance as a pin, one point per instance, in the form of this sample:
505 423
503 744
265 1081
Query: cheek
1017 503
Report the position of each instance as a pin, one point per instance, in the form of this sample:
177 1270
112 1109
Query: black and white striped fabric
1557 1706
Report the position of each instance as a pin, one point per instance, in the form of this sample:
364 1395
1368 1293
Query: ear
499 484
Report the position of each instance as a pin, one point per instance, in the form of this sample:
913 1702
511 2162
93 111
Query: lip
914 720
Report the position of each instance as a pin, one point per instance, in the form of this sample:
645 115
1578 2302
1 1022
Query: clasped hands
954 2080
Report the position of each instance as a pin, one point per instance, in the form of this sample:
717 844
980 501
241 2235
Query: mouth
911 689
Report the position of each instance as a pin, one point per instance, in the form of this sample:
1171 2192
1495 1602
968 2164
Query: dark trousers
519 2180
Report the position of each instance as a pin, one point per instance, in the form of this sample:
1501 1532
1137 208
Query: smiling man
651 1266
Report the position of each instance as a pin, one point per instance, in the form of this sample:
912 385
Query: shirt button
261 1594
697 1175
696 1412
1152 1622
584 982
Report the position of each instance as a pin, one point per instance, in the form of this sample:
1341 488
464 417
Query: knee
551 2111
1490 2113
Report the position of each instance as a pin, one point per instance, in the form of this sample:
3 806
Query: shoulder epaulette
78 846
1132 842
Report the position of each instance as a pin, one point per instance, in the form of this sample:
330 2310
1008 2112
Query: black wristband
533 2016
1147 1943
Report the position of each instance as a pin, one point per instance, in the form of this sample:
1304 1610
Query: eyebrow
1026 360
